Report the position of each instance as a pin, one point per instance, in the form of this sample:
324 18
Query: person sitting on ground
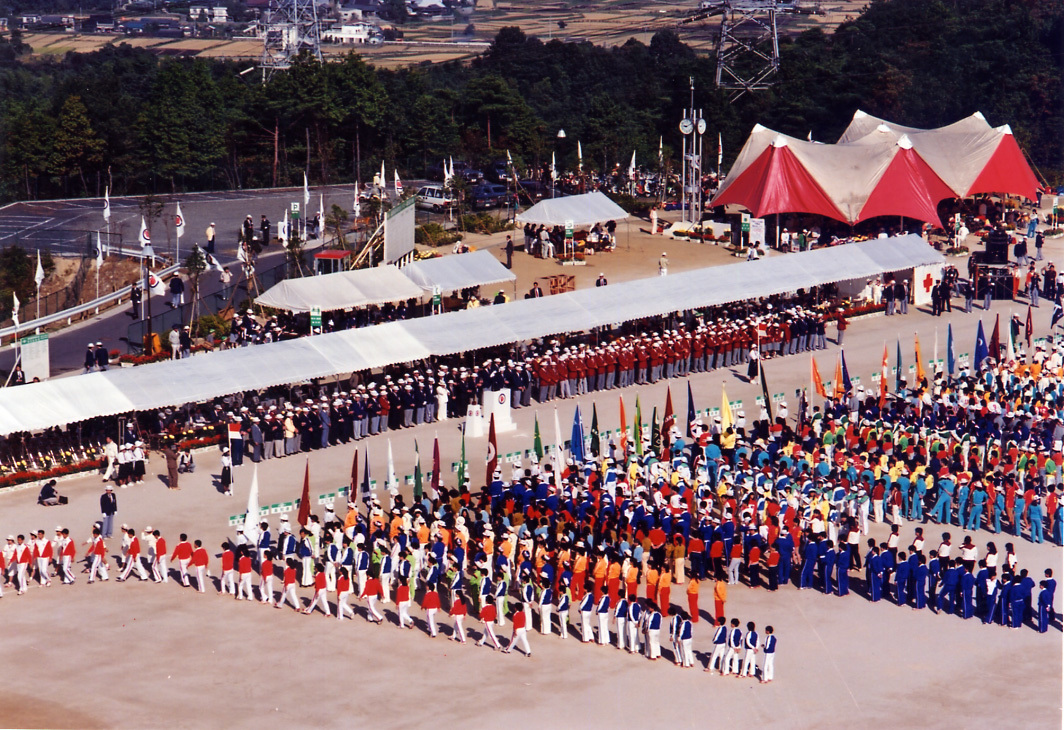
48 497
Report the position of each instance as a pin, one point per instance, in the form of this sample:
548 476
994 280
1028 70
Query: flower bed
22 477
161 356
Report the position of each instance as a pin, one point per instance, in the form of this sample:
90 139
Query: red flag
1028 328
304 501
624 430
435 467
884 373
493 451
818 382
840 389
667 422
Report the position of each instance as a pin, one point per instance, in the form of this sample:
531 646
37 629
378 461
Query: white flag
720 149
558 465
251 519
321 207
384 179
212 261
99 251
631 166
306 195
179 221
553 168
39 276
145 234
398 184
446 174
155 285
15 306
282 235
107 204
579 157
393 482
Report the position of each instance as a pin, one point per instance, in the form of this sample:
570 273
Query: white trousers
586 633
604 629
654 644
545 619
750 663
768 671
621 635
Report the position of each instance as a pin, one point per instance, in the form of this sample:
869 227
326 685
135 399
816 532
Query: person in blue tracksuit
962 501
809 555
830 562
993 596
999 510
934 569
979 497
720 641
785 546
943 510
901 581
842 567
1015 599
967 586
950 581
874 574
1045 599
920 582
1034 516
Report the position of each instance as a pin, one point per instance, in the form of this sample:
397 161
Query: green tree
75 146
27 144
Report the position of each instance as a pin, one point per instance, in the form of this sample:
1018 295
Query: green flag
462 464
638 435
655 432
418 488
537 443
594 431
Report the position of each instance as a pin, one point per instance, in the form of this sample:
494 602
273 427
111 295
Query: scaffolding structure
290 28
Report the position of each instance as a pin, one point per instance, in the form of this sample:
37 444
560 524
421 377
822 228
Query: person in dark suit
536 291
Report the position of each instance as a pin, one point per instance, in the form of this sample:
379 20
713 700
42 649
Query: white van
434 198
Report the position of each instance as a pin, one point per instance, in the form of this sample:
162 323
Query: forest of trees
143 123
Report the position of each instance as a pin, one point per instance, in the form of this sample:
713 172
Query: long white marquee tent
451 273
68 400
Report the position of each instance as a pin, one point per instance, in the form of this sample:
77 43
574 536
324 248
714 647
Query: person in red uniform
343 593
42 556
371 593
266 577
98 553
200 560
158 565
228 569
430 602
519 635
69 553
458 613
288 591
183 556
133 558
320 594
243 587
488 615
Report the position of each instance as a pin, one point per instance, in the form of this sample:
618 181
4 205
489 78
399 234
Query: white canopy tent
460 271
583 210
342 290
68 400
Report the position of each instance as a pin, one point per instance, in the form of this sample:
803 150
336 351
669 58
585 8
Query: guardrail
69 314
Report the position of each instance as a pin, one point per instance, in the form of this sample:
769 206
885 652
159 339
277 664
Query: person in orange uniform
631 579
579 575
613 581
664 590
599 575
652 583
692 598
720 596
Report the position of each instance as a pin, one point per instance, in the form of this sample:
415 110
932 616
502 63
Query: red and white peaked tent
876 169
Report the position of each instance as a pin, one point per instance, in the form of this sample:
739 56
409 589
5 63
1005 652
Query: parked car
462 169
499 172
531 190
434 198
487 195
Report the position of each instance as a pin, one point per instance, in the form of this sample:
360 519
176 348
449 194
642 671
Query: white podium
474 421
497 403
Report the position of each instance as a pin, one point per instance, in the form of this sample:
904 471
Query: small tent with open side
342 290
583 210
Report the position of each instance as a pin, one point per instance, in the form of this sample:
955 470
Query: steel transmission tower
748 52
291 27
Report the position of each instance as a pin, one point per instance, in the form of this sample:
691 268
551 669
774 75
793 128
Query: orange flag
624 429
840 389
884 373
919 359
818 382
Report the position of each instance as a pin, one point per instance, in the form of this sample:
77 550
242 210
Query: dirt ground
144 655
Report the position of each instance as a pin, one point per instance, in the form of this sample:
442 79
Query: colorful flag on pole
145 234
537 441
818 382
624 429
303 517
981 350
655 433
436 468
840 387
107 204
920 374
1028 327
691 413
995 338
764 392
179 222
418 486
367 489
884 373
668 420
398 184
951 357
595 446
354 478
576 438
492 460
99 250
897 365
726 418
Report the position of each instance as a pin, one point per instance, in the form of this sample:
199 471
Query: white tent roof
460 271
342 290
583 210
68 400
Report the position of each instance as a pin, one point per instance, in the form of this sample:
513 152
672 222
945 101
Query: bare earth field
144 655
602 22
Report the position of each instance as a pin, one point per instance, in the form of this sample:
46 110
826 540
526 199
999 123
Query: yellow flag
726 419
919 359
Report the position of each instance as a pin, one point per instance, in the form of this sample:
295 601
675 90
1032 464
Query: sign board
569 229
315 317
745 217
36 361
757 230
295 209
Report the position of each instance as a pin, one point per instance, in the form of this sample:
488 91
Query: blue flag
982 352
576 440
690 409
897 370
846 384
1058 312
951 359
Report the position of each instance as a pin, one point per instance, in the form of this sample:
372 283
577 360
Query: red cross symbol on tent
928 281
